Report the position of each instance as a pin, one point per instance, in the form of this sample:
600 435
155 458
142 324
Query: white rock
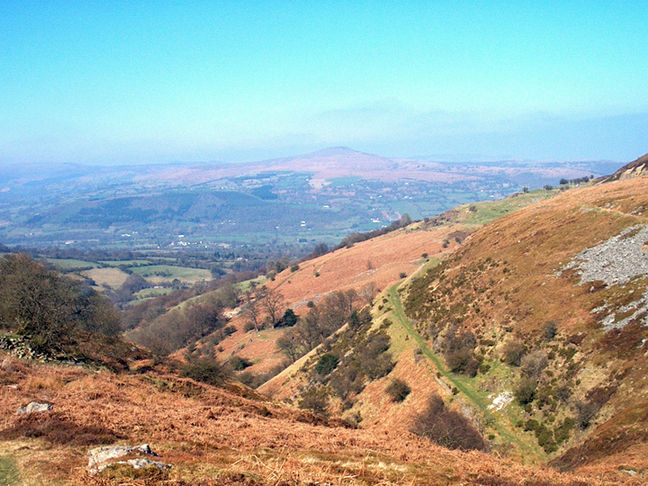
100 458
501 401
35 407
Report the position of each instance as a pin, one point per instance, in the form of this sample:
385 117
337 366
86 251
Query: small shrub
373 359
238 363
326 364
398 390
526 389
314 399
462 361
249 326
229 330
447 428
562 432
205 370
358 319
549 330
533 364
545 439
586 413
531 425
512 352
294 268
484 368
289 319
403 275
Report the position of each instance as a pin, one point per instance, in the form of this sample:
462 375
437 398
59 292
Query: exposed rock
35 407
501 400
636 168
100 458
617 261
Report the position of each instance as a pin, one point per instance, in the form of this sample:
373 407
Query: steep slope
523 280
542 345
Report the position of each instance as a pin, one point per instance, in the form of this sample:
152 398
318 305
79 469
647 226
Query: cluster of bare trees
320 322
263 307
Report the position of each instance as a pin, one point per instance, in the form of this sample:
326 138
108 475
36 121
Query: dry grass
378 262
212 436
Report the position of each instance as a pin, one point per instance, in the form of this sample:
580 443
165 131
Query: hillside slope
366 267
543 346
215 436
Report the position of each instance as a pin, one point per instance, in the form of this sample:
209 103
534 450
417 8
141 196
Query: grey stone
100 458
35 407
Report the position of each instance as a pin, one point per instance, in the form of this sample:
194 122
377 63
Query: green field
128 263
245 285
109 277
487 211
165 273
149 293
70 264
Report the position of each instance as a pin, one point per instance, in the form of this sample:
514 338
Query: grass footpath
8 472
506 431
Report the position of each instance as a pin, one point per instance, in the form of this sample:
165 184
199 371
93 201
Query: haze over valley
308 199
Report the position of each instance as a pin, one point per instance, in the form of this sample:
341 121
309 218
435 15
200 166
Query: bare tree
273 304
368 292
251 310
288 345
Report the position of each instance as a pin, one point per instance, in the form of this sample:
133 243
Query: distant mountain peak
334 151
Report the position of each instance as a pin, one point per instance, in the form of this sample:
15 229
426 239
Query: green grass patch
487 211
71 264
149 293
128 263
245 285
8 471
167 273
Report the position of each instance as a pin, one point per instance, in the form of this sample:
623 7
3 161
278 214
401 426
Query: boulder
100 458
34 407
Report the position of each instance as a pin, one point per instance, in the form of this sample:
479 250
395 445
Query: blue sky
134 82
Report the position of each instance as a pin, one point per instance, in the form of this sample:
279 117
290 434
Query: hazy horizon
132 83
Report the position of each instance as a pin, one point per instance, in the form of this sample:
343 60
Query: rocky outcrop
636 168
138 457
